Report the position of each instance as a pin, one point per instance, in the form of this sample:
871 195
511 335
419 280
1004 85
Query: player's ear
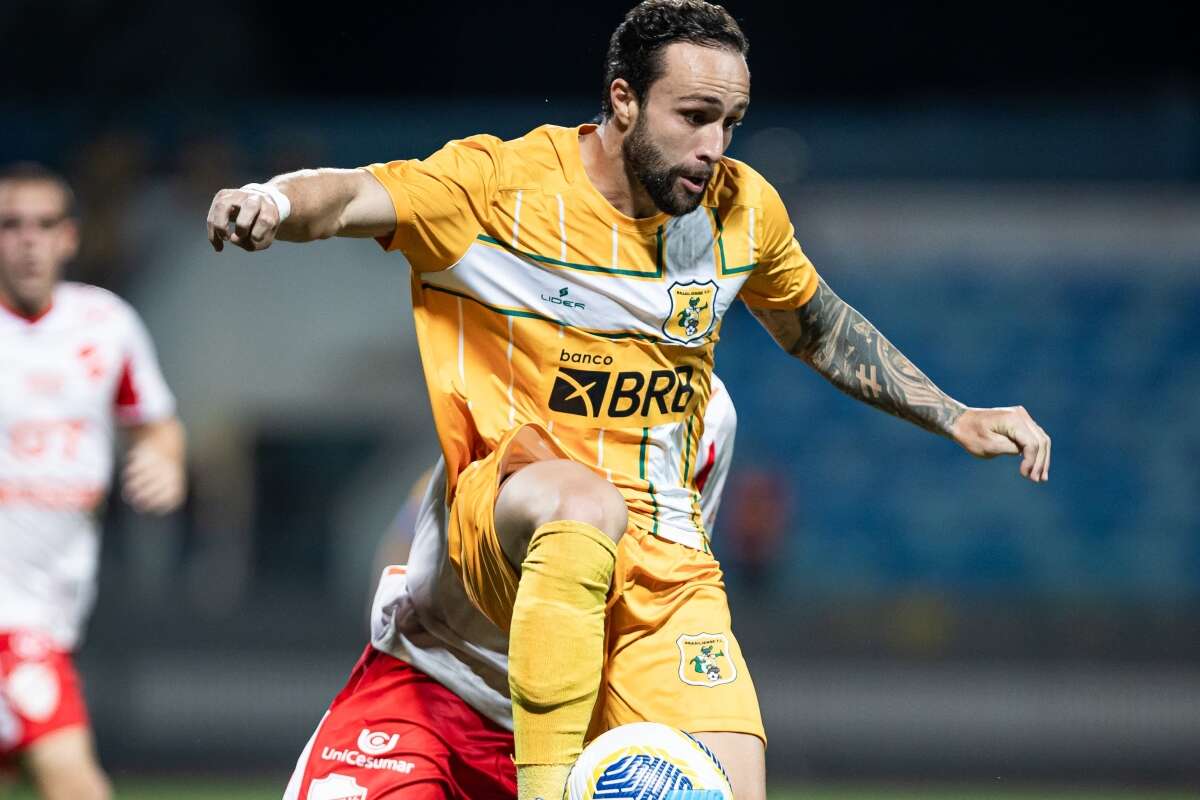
68 238
624 103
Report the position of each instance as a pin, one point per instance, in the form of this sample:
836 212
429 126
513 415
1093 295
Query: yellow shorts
671 654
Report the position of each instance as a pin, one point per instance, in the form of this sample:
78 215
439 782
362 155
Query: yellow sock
556 651
542 781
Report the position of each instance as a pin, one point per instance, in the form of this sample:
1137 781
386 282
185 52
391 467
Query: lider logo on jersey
621 394
692 314
562 299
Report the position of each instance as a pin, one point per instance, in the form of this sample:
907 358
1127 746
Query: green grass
209 789
967 792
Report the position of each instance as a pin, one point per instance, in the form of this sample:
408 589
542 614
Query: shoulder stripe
750 233
517 219
562 229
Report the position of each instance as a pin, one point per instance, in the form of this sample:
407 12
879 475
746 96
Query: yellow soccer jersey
537 301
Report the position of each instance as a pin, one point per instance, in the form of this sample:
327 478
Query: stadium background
1009 191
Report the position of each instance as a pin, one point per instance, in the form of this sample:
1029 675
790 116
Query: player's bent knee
559 489
589 498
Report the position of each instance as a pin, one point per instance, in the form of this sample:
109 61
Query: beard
646 162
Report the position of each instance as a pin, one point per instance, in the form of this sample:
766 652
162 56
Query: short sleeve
141 395
784 277
441 200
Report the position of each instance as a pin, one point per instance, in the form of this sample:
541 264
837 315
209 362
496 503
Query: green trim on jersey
721 247
633 273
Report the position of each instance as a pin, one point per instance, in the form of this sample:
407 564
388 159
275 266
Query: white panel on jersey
689 247
720 429
676 513
503 278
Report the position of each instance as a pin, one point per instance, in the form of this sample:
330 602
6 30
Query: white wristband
277 197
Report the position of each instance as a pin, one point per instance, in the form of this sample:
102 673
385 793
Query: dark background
1006 189
845 51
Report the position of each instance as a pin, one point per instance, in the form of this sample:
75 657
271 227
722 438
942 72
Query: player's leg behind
744 758
558 524
674 659
63 766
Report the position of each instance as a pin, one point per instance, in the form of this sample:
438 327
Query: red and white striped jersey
67 378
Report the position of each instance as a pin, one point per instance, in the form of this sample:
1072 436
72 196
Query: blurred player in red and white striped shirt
75 364
426 713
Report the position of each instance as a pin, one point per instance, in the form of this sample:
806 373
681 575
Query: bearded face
674 188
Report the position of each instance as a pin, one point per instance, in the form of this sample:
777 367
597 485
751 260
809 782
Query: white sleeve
142 394
392 609
716 451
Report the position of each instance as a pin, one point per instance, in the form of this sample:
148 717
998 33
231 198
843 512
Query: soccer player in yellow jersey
568 291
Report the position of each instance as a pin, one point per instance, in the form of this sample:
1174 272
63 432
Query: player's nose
712 144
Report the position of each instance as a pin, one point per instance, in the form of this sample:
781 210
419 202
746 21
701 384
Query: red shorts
40 691
395 732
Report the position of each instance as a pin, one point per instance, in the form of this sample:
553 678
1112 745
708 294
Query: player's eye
9 224
696 118
733 123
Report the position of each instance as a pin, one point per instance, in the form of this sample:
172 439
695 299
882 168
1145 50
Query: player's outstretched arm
838 342
301 207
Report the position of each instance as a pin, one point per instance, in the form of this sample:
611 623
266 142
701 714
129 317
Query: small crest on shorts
34 691
336 787
692 311
704 659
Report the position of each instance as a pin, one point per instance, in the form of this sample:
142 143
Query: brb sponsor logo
625 393
371 745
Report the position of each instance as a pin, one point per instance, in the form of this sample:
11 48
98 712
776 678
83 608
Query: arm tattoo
839 343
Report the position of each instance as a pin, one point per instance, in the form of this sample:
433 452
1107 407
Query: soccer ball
647 761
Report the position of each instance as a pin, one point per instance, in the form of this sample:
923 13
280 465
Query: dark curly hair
635 49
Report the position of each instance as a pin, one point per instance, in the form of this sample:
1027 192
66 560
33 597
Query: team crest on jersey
336 787
693 311
704 659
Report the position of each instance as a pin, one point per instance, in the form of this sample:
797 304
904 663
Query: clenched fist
154 483
248 217
989 432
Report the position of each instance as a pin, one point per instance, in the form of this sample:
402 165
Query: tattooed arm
839 343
